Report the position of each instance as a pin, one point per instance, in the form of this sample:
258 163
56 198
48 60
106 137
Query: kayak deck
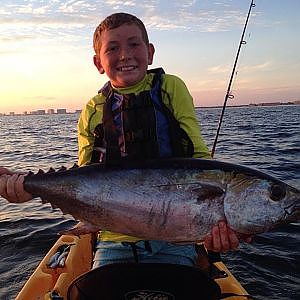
47 282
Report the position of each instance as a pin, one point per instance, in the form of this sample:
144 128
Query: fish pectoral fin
80 229
208 191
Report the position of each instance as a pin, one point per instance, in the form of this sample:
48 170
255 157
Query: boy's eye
111 48
134 44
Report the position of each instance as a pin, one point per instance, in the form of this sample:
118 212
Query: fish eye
277 192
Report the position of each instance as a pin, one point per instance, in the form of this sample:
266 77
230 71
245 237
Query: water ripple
266 138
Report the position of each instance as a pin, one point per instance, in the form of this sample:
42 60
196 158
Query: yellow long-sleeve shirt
177 98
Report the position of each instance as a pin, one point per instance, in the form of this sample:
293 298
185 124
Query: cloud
39 98
220 69
184 15
258 67
10 39
73 21
120 3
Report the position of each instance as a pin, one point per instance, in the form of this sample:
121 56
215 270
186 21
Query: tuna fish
176 200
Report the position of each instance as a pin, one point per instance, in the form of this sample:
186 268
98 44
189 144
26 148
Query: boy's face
124 56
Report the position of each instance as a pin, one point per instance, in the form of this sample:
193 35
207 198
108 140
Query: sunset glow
46 49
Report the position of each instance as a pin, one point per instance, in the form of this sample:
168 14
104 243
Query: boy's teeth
126 68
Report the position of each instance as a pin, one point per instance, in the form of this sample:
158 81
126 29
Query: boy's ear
151 51
98 65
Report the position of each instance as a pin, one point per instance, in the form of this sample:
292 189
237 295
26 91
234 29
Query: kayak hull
47 282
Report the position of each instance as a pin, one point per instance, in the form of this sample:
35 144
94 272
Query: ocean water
266 138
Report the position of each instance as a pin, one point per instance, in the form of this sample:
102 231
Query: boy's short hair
114 21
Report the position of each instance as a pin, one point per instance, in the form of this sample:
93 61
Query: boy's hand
5 171
11 186
222 238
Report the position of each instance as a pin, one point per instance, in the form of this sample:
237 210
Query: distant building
11 113
50 111
78 111
38 112
61 111
270 103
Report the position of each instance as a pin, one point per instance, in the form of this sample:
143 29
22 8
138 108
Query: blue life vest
139 127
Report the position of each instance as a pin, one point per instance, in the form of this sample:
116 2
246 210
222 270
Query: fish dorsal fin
51 170
207 191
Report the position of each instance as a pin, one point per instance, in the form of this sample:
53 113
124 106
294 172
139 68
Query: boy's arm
85 141
182 105
89 118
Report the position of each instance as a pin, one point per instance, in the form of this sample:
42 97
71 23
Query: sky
46 49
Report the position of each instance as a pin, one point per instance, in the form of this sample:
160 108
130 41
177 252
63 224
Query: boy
138 114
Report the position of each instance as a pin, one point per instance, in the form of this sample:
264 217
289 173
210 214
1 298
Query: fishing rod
228 93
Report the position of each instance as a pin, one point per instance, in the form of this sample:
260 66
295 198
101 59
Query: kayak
67 266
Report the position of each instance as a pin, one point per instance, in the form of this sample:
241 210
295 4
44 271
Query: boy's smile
124 56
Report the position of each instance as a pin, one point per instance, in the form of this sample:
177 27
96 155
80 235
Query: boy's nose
125 54
124 57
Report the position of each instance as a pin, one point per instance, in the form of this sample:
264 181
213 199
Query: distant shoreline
42 112
263 104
